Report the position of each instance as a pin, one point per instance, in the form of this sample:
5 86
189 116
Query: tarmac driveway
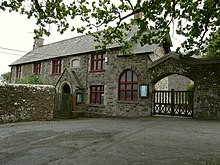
153 141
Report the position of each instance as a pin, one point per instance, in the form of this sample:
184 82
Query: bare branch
123 18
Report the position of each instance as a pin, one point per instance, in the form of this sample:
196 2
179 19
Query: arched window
128 86
75 63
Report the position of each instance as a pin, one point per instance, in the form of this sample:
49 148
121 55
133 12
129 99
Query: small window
75 63
56 66
97 94
18 72
37 68
97 62
128 86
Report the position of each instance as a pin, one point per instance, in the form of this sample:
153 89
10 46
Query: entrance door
63 103
63 106
174 103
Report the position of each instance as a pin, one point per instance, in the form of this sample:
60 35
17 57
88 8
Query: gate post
154 98
172 101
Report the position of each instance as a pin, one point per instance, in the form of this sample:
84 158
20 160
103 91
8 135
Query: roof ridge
63 40
75 45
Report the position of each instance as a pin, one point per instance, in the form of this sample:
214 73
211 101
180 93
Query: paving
99 141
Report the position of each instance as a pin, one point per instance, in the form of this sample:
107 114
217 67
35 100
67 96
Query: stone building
104 83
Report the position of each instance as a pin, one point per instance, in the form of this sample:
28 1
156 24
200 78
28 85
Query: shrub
33 79
191 87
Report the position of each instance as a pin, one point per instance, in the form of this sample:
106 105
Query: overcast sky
16 33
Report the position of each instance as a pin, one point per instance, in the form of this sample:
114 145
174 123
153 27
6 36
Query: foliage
191 87
33 79
196 20
5 77
213 49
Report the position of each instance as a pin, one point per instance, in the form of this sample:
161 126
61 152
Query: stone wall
26 102
110 77
203 72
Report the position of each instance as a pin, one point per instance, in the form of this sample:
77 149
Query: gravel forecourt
111 141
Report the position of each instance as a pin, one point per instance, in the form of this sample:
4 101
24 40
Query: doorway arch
174 99
66 88
174 81
171 96
63 102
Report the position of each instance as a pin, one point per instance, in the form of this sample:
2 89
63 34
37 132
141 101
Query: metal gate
174 103
63 106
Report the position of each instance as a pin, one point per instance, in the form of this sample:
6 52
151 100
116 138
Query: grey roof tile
75 46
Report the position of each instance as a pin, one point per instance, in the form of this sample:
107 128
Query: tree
196 20
5 77
213 48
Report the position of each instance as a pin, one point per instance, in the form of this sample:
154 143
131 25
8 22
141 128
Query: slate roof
75 46
188 60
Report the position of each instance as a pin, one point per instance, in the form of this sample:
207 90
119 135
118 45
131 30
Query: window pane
93 98
123 78
122 95
94 65
135 95
122 86
134 77
129 76
93 89
135 86
98 98
128 95
128 86
99 65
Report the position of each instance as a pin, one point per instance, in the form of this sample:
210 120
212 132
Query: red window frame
37 68
18 72
128 86
96 94
56 66
97 62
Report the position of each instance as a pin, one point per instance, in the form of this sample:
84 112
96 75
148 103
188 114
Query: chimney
38 42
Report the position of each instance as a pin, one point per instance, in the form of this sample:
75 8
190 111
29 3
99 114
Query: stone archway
63 101
205 74
174 81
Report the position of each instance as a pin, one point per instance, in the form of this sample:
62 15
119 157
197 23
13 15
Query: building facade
103 83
